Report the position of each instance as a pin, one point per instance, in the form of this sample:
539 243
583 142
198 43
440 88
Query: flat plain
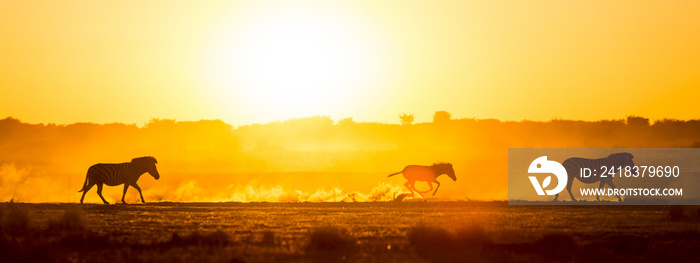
468 231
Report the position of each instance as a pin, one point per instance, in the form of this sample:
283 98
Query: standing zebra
114 174
615 161
428 174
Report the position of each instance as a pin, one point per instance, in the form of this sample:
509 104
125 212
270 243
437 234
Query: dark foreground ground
347 232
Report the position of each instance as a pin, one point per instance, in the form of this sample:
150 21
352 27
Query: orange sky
258 61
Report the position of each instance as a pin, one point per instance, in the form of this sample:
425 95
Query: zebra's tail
84 184
395 174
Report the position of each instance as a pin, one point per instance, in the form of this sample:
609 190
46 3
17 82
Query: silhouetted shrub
406 119
329 239
637 121
442 117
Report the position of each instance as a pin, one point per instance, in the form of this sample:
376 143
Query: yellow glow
293 60
258 61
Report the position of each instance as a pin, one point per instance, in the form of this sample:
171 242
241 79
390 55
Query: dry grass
370 233
72 220
16 220
330 238
214 239
684 212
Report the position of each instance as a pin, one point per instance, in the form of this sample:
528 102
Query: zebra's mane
148 158
441 164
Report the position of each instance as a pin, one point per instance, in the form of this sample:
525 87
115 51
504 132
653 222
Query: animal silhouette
428 174
615 161
114 174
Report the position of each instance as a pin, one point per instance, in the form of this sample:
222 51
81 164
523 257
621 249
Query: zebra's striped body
114 174
615 161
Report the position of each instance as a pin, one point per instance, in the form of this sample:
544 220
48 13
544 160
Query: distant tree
442 117
637 121
158 123
406 119
346 121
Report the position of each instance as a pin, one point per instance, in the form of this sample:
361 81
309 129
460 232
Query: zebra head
148 164
445 168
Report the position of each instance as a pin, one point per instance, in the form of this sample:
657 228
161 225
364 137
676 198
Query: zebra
428 174
114 174
616 161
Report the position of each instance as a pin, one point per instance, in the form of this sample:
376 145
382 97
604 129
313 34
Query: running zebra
428 174
616 161
114 174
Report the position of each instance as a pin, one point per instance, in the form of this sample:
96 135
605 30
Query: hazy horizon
336 120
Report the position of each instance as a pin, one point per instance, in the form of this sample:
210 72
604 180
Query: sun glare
293 61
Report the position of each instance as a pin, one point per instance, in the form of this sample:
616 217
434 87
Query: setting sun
293 60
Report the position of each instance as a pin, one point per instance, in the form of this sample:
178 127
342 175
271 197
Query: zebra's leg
87 188
126 186
569 184
436 188
431 187
408 185
139 188
610 183
99 192
602 183
413 185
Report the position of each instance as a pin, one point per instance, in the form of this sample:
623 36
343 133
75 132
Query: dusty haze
310 159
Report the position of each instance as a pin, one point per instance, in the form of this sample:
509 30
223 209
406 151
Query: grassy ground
347 232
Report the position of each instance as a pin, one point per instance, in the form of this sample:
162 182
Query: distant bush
442 117
406 119
637 121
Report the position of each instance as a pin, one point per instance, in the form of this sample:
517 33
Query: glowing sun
294 60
